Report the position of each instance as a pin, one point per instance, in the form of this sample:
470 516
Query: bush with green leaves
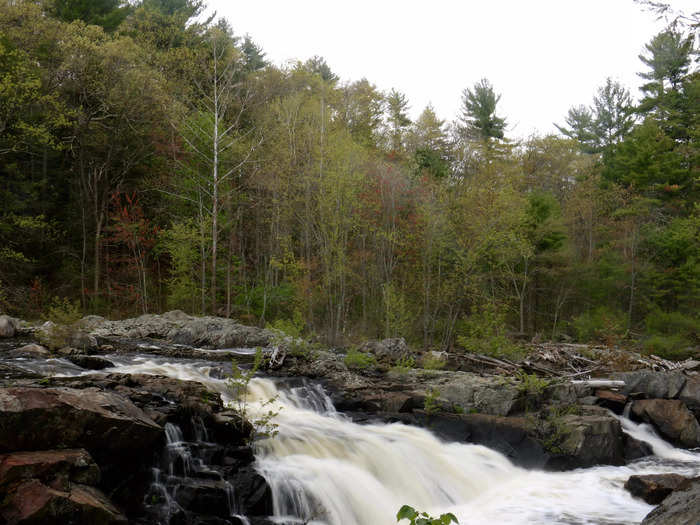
603 325
263 424
357 360
672 335
403 365
531 384
423 518
484 332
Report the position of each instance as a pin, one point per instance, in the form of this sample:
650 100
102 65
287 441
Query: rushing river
325 469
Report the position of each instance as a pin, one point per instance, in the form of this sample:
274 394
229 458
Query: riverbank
161 381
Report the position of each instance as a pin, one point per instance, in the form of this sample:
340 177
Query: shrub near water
484 332
359 360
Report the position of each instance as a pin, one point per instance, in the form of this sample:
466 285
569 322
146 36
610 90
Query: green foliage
263 424
182 242
531 384
478 117
422 518
603 324
672 335
432 362
289 335
403 365
357 360
65 316
673 347
431 403
484 332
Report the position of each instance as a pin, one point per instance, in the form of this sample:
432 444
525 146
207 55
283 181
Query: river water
325 469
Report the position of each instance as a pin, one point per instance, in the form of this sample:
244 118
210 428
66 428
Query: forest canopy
153 159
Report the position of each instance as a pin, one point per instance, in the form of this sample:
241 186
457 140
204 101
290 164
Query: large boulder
33 503
388 351
682 507
511 436
595 438
178 327
90 362
671 418
690 394
31 351
8 326
105 423
654 488
654 385
471 392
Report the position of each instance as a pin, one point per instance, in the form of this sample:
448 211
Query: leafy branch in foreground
263 425
423 518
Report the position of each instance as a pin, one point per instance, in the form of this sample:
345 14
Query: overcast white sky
542 56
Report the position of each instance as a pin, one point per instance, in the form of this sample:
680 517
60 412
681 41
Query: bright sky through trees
543 56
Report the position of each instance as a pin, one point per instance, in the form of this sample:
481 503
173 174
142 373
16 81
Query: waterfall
325 469
181 468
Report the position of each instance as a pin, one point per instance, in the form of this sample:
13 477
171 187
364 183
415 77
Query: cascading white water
325 469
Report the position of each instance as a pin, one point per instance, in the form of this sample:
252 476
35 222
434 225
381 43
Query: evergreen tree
478 115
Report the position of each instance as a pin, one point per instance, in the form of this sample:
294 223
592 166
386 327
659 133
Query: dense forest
152 159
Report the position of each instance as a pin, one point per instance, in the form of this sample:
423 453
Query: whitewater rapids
325 469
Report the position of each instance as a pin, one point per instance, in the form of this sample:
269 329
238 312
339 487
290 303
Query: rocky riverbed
87 437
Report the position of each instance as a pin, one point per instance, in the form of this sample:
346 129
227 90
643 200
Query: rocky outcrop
90 362
593 438
8 326
389 351
682 507
671 418
55 468
99 421
33 503
54 486
654 488
32 351
653 385
690 394
180 328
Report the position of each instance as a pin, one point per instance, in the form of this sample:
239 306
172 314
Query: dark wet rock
204 496
594 438
31 351
682 507
32 502
511 436
8 326
671 418
11 372
54 468
105 423
690 394
253 493
654 385
90 362
162 398
614 401
180 328
388 350
636 449
654 488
